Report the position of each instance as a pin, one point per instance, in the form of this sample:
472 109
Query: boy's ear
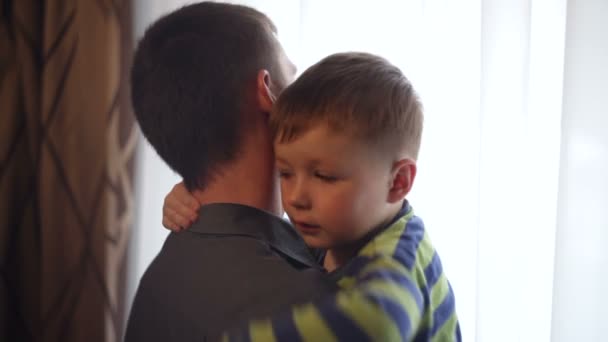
264 94
402 179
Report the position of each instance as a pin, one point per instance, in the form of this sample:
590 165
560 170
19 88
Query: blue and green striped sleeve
393 290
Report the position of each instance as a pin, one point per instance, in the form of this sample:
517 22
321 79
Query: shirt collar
341 271
224 219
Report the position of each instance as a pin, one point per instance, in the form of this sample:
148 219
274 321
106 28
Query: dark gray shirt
234 263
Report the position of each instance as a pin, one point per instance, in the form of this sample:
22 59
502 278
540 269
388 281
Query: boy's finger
186 206
182 192
182 210
169 225
193 204
187 212
189 200
168 203
178 219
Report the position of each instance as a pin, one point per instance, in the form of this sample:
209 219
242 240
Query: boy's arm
383 303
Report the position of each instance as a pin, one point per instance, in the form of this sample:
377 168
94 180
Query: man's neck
250 179
243 190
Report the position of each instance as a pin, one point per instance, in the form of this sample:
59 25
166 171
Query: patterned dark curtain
67 144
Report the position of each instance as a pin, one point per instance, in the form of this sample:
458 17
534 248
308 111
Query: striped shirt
393 290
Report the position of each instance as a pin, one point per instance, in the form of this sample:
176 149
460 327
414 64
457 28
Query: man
203 81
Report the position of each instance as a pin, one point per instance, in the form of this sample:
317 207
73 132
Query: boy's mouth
306 227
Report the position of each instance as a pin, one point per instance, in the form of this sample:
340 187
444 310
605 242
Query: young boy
347 135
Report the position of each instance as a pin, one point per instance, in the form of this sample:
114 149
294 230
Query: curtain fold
66 153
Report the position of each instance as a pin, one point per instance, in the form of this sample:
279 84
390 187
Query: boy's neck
337 257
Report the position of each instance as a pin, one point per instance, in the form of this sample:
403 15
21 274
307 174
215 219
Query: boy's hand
180 209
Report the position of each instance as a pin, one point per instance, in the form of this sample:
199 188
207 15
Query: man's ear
402 179
264 94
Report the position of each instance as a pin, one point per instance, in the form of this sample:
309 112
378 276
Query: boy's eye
284 174
326 178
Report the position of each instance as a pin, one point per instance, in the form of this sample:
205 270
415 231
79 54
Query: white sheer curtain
580 300
500 109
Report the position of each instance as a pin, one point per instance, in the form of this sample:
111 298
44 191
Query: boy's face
334 188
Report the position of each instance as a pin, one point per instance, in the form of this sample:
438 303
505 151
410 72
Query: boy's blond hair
355 93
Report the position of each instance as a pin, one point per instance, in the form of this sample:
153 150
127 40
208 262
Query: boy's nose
298 198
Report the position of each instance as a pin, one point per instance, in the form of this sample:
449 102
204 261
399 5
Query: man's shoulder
214 280
226 220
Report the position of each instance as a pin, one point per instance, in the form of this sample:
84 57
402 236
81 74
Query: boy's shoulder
403 255
405 240
403 247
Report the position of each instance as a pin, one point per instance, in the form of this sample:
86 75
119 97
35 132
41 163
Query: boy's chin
316 243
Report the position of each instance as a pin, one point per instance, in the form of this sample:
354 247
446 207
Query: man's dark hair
190 78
